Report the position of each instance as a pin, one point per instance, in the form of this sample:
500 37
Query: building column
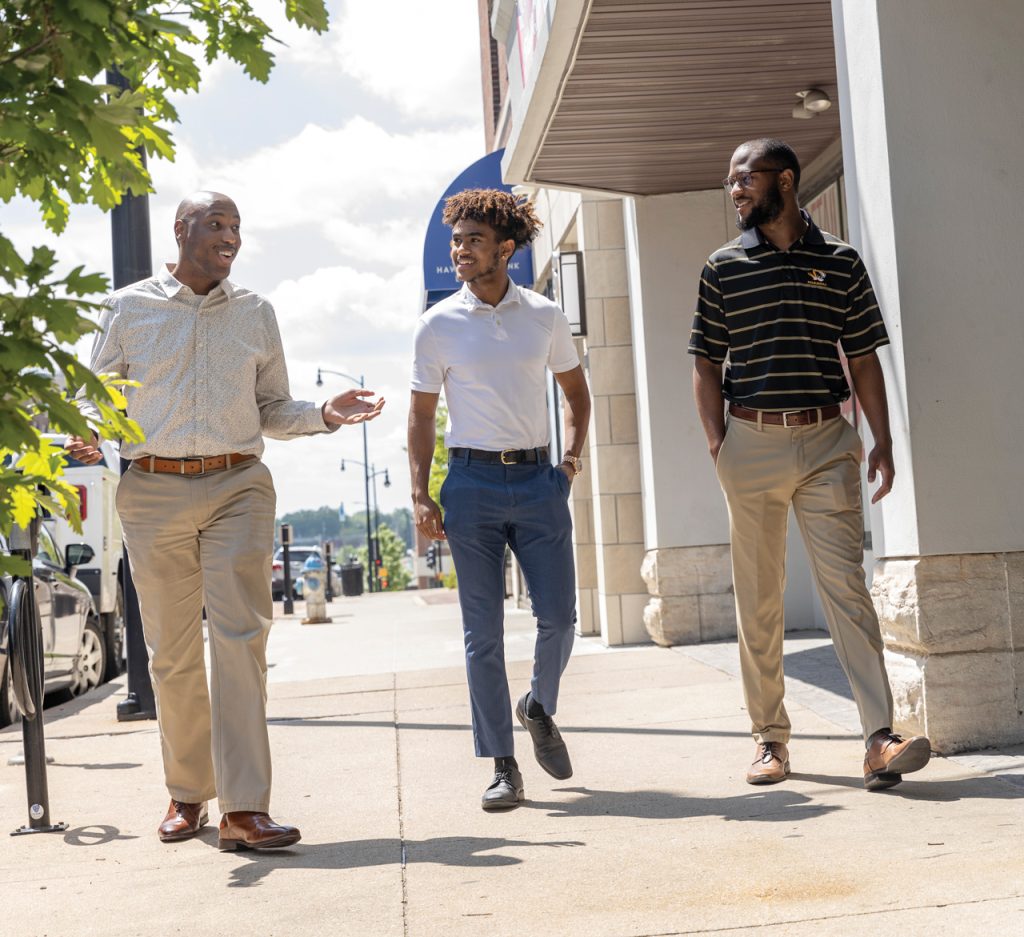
613 452
686 527
930 161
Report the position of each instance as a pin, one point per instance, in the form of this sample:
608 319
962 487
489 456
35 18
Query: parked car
101 529
74 651
297 556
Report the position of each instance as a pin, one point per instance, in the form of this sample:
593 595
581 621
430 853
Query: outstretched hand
349 408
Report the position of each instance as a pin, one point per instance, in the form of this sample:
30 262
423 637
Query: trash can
352 579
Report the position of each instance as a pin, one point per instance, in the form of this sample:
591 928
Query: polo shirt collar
754 237
173 286
473 302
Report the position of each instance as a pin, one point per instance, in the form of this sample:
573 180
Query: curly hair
513 219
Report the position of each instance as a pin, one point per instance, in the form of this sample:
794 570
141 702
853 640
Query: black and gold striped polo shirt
778 315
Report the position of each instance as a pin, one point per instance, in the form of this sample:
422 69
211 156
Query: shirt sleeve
107 356
562 355
709 335
864 330
280 416
427 367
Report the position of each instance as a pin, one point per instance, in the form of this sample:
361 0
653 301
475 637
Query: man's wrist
574 462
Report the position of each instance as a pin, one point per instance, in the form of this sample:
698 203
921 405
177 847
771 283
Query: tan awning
660 92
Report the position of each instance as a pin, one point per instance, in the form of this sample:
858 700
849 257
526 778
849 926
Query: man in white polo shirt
489 347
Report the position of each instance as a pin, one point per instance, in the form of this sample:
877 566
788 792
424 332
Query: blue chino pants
489 505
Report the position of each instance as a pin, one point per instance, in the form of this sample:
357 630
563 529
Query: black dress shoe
505 791
548 747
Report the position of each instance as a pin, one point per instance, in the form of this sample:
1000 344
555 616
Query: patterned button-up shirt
211 369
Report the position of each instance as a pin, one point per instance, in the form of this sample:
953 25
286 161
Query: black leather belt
789 418
505 457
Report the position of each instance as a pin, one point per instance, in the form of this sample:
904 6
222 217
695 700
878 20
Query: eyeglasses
745 179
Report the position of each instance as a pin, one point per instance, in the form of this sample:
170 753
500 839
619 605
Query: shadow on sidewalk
461 851
989 787
777 804
338 720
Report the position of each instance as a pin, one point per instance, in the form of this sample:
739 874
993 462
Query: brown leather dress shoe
246 829
889 757
183 821
771 763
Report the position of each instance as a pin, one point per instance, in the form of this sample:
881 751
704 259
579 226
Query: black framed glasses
744 179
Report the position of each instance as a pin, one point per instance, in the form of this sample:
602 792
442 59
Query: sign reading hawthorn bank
438 274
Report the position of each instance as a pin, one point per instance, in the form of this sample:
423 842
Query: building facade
620 118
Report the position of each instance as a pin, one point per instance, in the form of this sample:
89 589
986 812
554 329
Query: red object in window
83 501
277 567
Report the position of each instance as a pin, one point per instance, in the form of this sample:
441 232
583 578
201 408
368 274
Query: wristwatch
575 461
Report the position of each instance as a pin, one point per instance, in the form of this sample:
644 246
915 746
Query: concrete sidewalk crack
831 917
401 809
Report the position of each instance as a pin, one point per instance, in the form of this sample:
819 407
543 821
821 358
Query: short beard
764 211
493 268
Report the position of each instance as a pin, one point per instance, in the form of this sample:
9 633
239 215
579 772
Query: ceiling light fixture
812 101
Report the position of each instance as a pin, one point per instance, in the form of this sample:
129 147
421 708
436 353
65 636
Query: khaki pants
815 468
194 542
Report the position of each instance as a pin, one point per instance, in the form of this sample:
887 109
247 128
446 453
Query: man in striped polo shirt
775 303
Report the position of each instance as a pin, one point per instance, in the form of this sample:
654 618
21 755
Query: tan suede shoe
771 763
182 821
890 757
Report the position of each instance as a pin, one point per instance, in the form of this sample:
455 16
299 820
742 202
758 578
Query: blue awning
438 275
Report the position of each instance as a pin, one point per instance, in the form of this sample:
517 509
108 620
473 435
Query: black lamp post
369 537
372 473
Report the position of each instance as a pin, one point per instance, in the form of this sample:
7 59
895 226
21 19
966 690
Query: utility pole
133 261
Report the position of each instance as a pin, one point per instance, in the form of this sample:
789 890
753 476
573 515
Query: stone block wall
954 635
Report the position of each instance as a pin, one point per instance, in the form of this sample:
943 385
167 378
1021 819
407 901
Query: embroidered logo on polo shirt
816 276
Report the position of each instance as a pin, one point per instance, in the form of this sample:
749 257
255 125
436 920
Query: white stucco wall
933 127
668 239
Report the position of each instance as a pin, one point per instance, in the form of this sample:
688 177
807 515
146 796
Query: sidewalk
656 833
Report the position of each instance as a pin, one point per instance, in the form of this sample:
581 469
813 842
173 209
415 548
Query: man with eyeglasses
775 304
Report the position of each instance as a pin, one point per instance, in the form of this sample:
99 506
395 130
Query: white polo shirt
491 362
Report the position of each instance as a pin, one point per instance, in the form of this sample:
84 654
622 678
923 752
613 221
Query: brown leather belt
194 466
789 418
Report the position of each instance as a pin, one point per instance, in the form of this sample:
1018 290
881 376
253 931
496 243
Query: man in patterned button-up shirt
197 509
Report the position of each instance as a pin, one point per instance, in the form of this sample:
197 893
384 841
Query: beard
493 268
767 209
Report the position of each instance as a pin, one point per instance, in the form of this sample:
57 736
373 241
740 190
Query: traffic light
432 556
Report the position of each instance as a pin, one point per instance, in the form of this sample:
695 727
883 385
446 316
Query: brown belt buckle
505 461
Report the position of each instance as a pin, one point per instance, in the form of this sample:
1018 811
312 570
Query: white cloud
423 57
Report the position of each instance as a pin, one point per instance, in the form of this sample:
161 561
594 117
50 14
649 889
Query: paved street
656 833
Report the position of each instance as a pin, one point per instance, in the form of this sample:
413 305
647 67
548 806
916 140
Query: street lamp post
362 384
372 473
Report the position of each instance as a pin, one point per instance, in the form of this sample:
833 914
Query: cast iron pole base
130 710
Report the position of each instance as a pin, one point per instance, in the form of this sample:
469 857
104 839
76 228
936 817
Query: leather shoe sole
288 838
913 758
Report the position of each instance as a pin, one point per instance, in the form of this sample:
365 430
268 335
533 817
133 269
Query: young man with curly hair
489 347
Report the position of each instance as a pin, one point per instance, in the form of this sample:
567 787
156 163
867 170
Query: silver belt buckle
196 458
785 417
505 461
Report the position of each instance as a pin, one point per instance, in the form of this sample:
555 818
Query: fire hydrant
313 591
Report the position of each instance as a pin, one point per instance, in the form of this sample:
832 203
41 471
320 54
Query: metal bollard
313 591
27 683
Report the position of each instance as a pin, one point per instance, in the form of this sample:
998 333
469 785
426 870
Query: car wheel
113 638
9 712
91 661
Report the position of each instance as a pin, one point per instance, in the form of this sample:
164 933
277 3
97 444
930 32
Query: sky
336 165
